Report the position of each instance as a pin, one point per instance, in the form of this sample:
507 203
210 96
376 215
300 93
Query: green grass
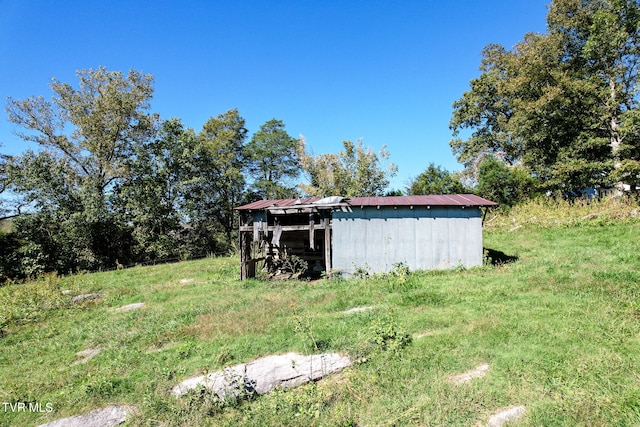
560 329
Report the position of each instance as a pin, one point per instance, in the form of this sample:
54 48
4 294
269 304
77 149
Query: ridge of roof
426 200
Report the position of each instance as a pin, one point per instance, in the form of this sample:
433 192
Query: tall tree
85 135
217 184
436 180
356 171
152 197
272 160
556 101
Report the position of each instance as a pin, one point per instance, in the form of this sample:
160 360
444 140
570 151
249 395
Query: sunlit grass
559 328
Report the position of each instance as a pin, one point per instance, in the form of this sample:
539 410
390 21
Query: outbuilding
372 234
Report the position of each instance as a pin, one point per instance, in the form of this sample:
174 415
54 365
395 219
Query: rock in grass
105 417
85 297
265 374
478 372
86 355
128 307
357 310
505 416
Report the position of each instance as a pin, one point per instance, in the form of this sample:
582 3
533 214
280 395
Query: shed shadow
498 258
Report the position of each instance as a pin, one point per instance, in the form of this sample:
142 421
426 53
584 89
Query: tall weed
29 302
547 212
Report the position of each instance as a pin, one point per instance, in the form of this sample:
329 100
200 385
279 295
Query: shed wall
420 237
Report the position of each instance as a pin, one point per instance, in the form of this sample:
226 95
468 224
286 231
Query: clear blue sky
383 71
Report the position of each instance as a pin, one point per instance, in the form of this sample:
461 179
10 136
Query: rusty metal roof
432 200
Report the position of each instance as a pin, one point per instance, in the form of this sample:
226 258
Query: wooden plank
311 233
277 232
245 256
327 246
304 227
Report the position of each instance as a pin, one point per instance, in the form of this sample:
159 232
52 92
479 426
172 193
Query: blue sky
383 71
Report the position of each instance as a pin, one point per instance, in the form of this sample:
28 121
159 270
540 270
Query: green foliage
561 320
216 183
31 302
557 102
388 335
86 136
503 184
303 327
436 180
272 160
354 172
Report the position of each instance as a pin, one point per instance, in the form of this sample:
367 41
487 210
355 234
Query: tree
3 183
86 136
506 185
272 161
436 180
216 183
354 172
555 102
152 197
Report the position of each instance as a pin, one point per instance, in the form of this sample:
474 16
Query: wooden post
312 237
246 269
327 245
245 255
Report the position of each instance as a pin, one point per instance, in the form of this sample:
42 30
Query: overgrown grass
557 212
559 328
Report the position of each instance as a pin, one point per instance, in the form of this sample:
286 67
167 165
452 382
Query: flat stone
357 310
134 306
265 374
85 297
505 416
86 355
105 417
478 372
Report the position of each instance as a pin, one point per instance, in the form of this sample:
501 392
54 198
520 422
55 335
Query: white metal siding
422 238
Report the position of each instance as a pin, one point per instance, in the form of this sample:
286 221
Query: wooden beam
327 246
304 227
245 256
312 243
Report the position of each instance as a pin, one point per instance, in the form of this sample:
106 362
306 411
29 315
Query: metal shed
370 233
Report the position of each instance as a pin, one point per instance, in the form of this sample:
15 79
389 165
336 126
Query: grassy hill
559 329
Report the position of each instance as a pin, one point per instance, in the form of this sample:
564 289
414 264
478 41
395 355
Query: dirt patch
254 317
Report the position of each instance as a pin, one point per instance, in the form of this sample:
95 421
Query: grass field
559 329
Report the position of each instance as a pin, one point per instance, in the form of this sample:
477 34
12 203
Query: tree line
560 107
113 184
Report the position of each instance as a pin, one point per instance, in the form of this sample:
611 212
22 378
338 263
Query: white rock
86 355
105 417
134 306
265 374
478 372
85 297
505 416
357 310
